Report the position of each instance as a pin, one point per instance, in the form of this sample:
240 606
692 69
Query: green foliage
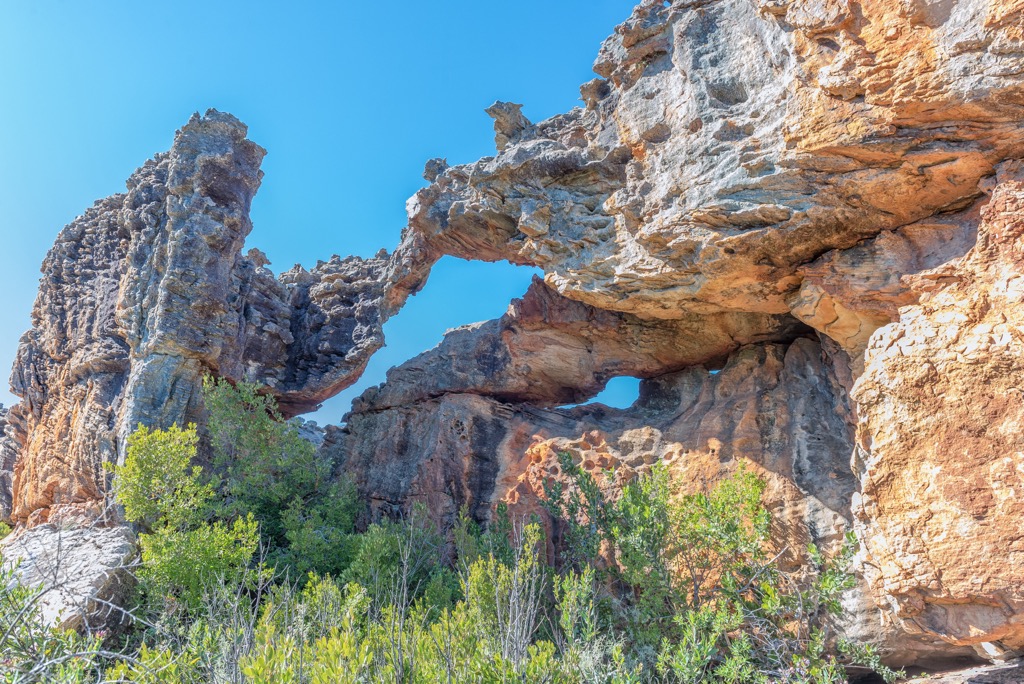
161 491
506 599
577 611
473 542
654 586
484 638
157 485
582 507
155 666
266 469
5 529
179 565
403 561
700 598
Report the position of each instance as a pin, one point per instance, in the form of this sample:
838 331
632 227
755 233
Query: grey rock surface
148 291
83 574
754 193
8 455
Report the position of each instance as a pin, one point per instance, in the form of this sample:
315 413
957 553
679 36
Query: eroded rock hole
458 293
620 393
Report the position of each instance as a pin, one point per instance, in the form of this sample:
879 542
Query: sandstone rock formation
728 144
940 450
8 455
763 210
446 431
1003 673
148 291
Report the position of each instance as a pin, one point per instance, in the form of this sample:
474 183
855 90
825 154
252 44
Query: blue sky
350 99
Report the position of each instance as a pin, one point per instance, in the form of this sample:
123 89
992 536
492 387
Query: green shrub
686 590
30 650
402 561
699 598
182 553
158 485
265 468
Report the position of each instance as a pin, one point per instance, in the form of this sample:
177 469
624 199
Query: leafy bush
265 468
653 586
30 650
182 553
700 598
402 561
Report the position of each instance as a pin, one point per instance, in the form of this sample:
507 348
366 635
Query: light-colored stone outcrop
83 574
728 144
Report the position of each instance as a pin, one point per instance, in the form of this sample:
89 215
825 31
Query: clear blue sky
349 98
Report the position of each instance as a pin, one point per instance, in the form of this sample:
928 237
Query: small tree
182 553
266 469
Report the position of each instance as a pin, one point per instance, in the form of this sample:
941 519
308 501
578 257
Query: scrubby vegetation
252 571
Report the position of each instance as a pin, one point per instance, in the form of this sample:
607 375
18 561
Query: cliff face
797 222
940 453
8 456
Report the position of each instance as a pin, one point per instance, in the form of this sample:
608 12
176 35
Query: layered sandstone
729 144
148 291
8 455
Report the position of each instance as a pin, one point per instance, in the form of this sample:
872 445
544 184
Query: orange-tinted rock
728 144
148 291
941 447
777 407
741 170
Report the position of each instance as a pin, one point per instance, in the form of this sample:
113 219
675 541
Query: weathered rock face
940 449
848 294
759 407
776 407
8 455
550 350
148 291
82 572
762 210
728 144
1004 673
748 159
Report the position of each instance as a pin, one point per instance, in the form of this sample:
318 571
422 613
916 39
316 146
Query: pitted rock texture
466 448
776 407
551 350
148 291
940 450
728 144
